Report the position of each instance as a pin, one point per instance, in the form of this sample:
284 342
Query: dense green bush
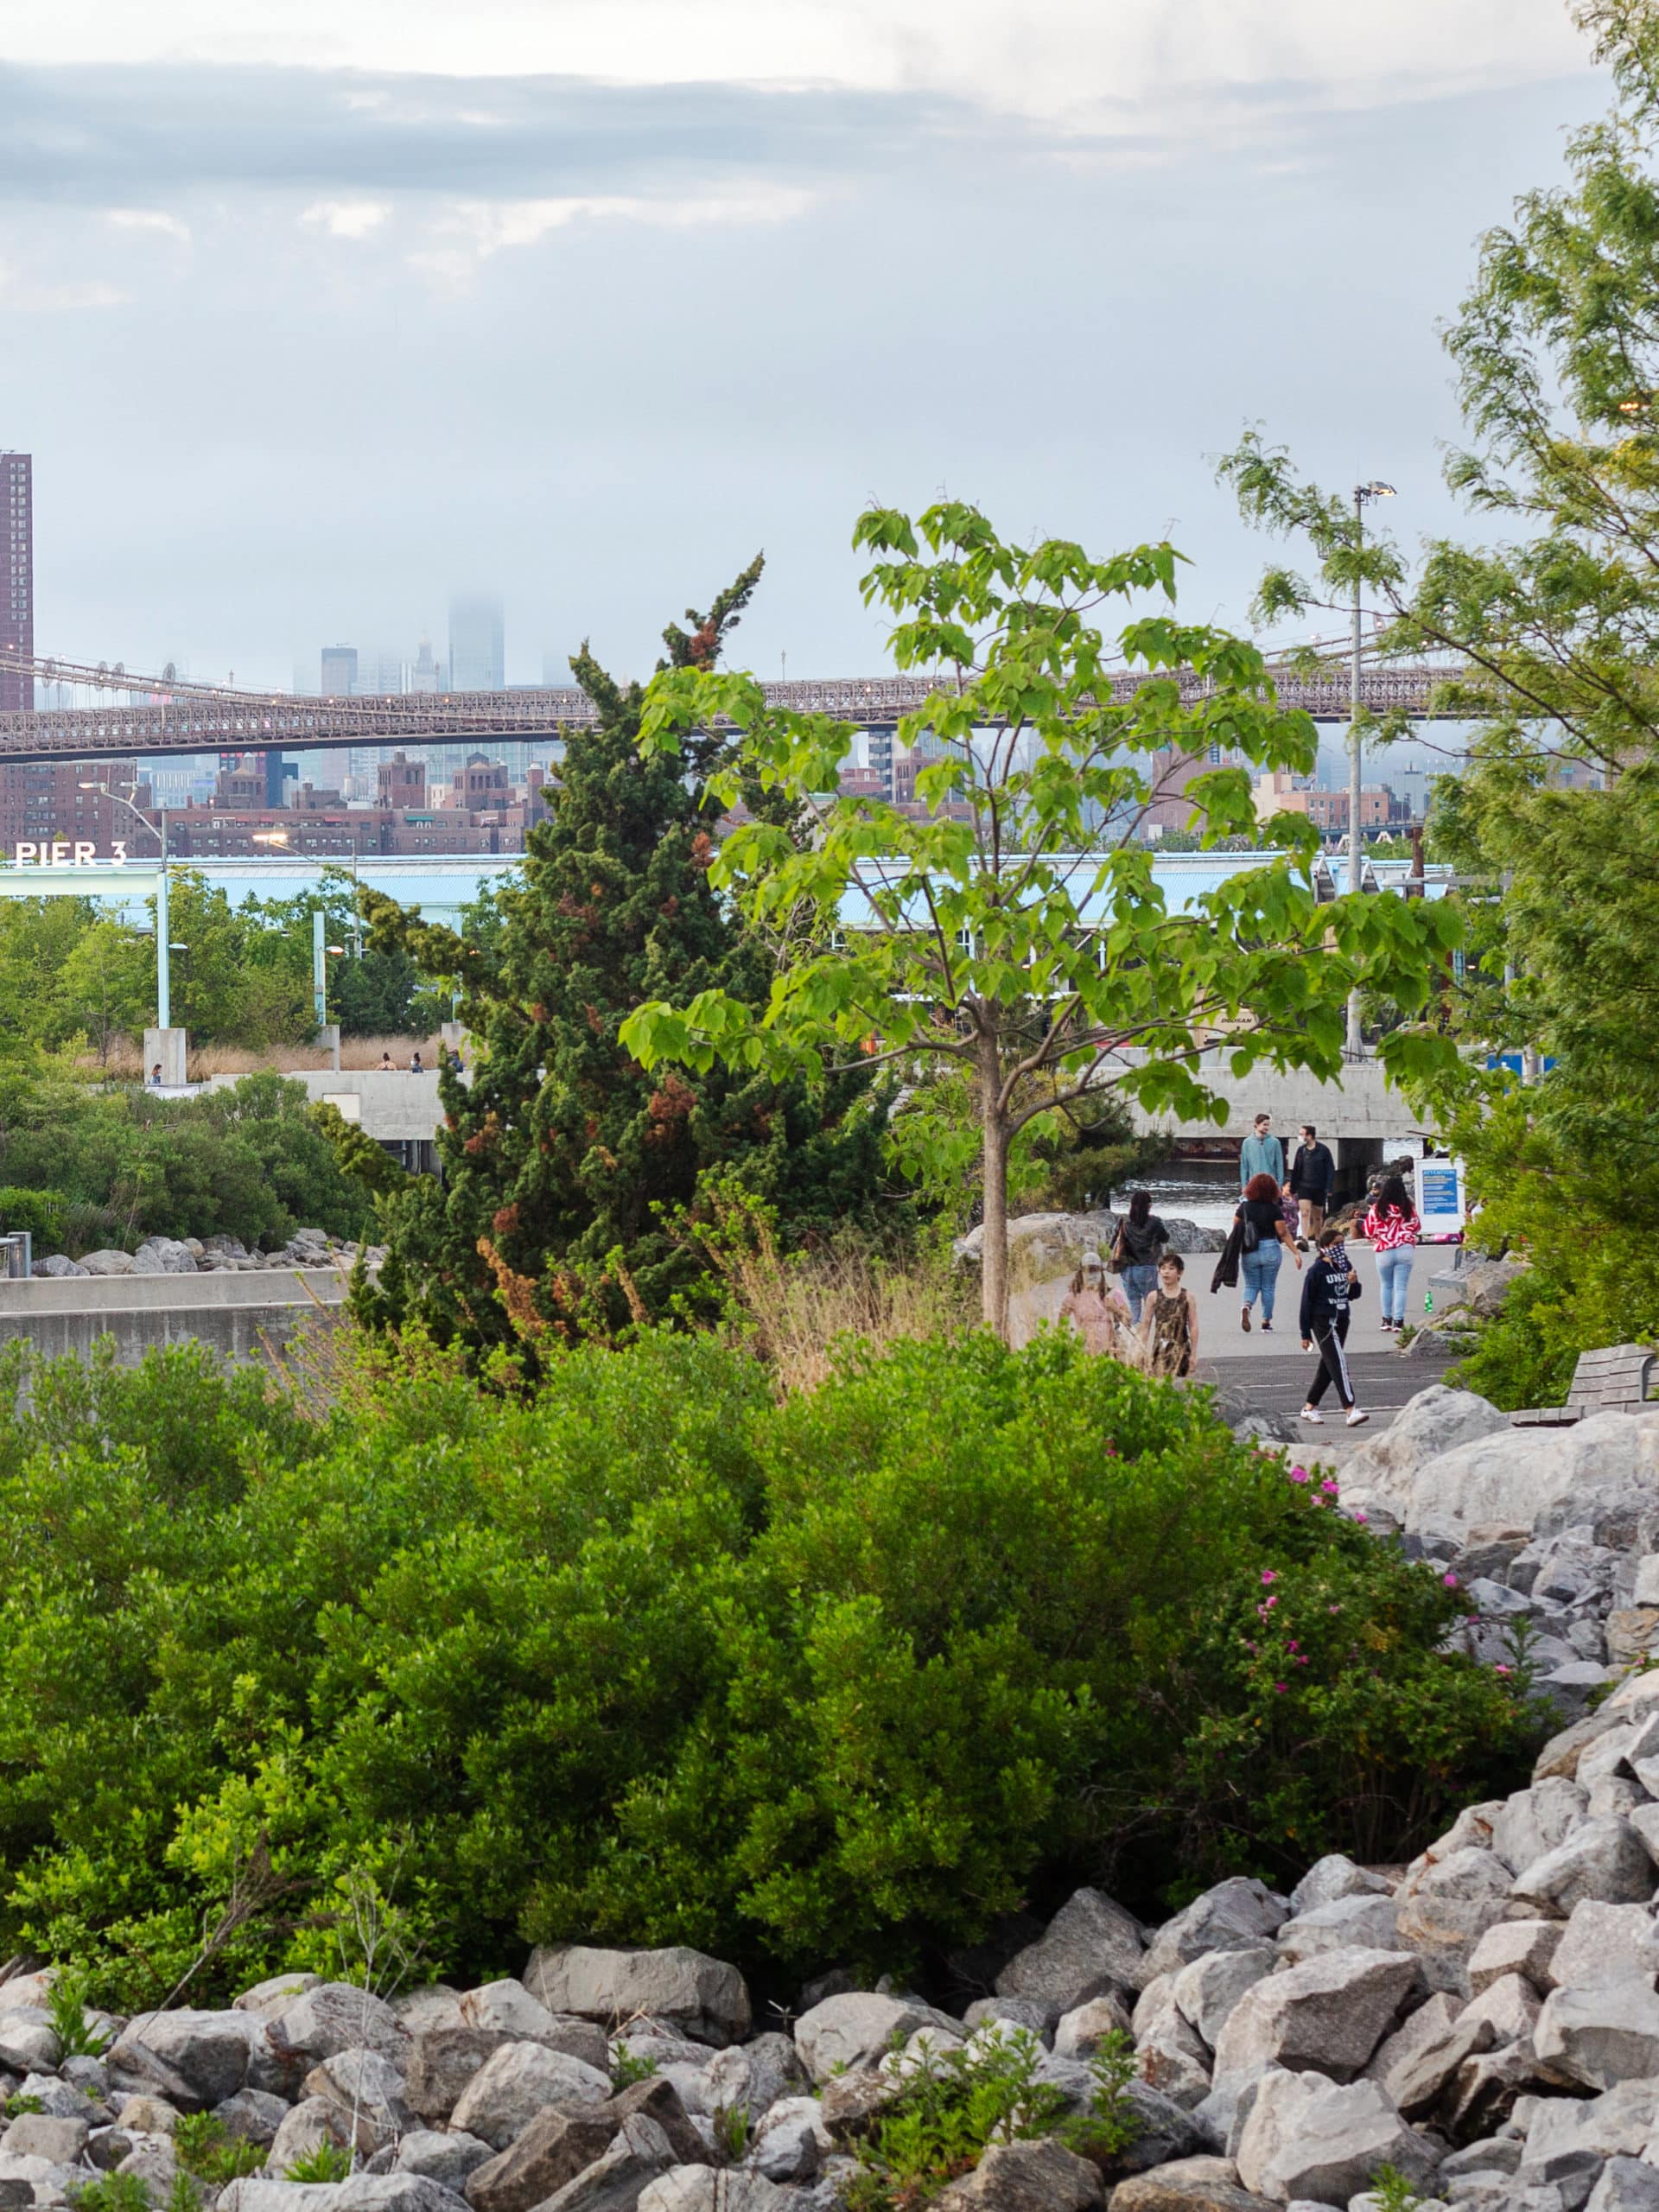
651 1657
116 1164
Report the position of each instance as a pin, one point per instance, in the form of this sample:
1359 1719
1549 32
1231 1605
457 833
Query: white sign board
1440 1197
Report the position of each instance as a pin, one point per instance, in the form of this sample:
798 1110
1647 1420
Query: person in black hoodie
1328 1289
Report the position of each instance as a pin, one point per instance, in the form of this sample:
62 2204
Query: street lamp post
1375 490
163 970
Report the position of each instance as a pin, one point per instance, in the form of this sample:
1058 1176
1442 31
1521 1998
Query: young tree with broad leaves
1018 935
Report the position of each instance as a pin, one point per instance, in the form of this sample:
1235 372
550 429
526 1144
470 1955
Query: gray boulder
1208 1989
1396 2056
43 2135
1567 2137
1534 1822
1237 1912
1090 1946
443 2157
756 2075
443 2061
552 2150
1203 2185
28 2041
1521 1476
1347 1923
56 1265
1025 2012
636 2155
276 1993
846 2034
1042 2176
704 1998
1523 1947
1626 2185
1446 1905
1079 2033
251 2115
1600 2036
207 2052
1509 2006
791 2141
361 2081
1603 1859
309 2126
1328 2013
702 2189
1604 1942
1387 1466
518 2082
106 1264
334 2015
1309 2138
1333 1878
163 1255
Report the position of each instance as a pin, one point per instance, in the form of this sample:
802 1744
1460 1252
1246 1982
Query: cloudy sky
315 311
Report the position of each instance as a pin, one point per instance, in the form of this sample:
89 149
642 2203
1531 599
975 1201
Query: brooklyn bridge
147 716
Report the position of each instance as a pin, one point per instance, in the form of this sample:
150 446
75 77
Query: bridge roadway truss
204 718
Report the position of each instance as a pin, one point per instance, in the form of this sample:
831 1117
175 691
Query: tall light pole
1376 489
163 970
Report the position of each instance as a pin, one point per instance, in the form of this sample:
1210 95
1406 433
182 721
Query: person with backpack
1095 1307
1136 1249
1392 1224
1262 1232
1328 1290
1312 1177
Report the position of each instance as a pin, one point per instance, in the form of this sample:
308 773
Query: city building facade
16 577
477 644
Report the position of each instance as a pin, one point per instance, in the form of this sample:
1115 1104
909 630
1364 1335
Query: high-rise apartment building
16 575
477 644
339 671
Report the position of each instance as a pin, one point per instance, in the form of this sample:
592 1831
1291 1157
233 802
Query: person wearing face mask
1095 1307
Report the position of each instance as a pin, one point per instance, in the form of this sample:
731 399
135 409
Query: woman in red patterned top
1393 1227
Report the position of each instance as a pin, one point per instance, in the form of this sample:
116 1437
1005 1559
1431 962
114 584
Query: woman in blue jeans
1264 1243
1393 1227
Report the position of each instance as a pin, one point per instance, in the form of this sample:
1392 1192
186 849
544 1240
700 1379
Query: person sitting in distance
387 1066
415 1067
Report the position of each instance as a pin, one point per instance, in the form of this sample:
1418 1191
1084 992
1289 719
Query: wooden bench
1617 1379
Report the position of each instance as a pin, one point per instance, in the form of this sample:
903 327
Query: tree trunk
994 1245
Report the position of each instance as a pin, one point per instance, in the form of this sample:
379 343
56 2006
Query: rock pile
190 1256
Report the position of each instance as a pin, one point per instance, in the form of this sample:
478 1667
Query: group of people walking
1150 1317
1283 1208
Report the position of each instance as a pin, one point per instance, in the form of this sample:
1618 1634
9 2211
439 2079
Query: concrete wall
1360 1107
393 1108
242 1316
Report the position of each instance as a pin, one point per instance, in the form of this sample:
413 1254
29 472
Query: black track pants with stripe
1333 1364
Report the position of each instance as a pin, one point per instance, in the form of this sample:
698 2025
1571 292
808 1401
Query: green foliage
651 1657
562 1153
207 2148
98 1166
112 2193
1112 2122
1023 942
732 2126
954 2104
329 2162
626 2069
40 1212
1393 2191
65 2007
17 2104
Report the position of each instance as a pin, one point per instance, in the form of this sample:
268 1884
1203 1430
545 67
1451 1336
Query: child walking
1328 1289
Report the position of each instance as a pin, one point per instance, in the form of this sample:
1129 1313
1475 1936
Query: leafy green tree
559 1148
1552 618
1023 946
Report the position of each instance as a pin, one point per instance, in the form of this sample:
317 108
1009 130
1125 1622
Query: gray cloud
111 136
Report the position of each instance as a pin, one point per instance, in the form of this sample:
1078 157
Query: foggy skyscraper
16 575
477 654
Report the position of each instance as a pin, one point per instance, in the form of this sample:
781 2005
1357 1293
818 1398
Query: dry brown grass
125 1062
798 1307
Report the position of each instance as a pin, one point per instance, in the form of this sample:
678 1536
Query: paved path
1383 1381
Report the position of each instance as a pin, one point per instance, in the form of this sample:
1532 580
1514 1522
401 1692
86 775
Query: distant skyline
317 312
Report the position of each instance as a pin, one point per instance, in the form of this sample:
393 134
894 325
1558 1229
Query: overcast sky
315 311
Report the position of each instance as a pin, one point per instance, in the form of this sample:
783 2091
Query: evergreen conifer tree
558 1149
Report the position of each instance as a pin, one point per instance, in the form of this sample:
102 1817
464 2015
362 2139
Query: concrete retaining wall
242 1316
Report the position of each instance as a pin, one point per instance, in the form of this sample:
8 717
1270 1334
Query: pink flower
1300 1475
1361 1518
1280 1687
1267 1604
1333 1609
1450 1580
1328 1487
1302 1660
1504 1670
1267 1576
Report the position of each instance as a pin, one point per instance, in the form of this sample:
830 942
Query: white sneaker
1355 1416
1310 1413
